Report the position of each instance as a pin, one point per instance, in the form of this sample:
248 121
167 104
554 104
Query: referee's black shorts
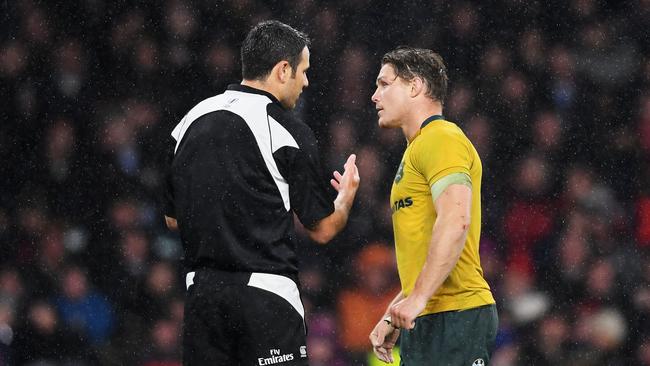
247 319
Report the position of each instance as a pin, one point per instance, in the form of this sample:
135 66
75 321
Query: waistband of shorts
219 277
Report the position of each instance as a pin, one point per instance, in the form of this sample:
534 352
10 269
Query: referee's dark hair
268 43
410 62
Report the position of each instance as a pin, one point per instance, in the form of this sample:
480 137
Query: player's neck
418 114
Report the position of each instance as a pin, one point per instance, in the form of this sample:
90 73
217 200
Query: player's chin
382 123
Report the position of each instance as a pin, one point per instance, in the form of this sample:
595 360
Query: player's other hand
383 339
348 182
404 312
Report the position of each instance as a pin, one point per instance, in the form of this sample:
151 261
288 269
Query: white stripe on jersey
269 134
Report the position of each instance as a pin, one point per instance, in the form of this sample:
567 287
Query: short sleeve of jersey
309 193
441 152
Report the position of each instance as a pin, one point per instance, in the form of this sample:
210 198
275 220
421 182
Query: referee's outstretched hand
347 183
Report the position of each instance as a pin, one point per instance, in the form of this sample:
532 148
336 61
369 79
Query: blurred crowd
555 95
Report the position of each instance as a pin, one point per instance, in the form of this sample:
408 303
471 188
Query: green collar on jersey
431 119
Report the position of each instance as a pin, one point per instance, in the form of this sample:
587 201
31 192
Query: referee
242 166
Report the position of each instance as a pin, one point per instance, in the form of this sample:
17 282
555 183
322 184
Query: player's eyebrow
383 78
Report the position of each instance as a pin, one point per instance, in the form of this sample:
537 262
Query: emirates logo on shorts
275 357
478 362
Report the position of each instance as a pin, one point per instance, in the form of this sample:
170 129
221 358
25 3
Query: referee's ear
282 71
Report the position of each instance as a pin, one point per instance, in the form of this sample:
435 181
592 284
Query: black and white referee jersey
242 165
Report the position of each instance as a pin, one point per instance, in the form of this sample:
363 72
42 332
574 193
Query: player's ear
417 86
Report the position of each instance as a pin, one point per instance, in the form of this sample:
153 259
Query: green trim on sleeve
441 184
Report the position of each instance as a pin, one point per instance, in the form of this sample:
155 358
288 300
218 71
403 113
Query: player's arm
447 242
346 185
171 222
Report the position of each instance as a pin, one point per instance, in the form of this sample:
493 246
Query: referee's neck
264 85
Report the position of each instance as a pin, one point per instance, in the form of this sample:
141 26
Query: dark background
554 95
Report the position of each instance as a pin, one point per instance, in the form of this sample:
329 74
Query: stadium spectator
83 309
359 306
44 339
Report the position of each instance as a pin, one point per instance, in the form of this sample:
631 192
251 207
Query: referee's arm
171 222
168 191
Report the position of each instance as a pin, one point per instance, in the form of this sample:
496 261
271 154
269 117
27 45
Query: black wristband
389 321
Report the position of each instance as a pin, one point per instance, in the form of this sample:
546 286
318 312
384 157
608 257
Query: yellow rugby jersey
440 148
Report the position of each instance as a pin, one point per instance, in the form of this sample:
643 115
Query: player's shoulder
441 128
442 132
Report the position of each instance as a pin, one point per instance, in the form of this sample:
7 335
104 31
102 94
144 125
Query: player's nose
375 96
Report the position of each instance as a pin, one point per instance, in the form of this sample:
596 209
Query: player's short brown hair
410 62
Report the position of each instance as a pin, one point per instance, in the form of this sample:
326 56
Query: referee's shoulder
289 120
282 115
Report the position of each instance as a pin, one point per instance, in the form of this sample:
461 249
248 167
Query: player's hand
383 339
348 182
404 312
